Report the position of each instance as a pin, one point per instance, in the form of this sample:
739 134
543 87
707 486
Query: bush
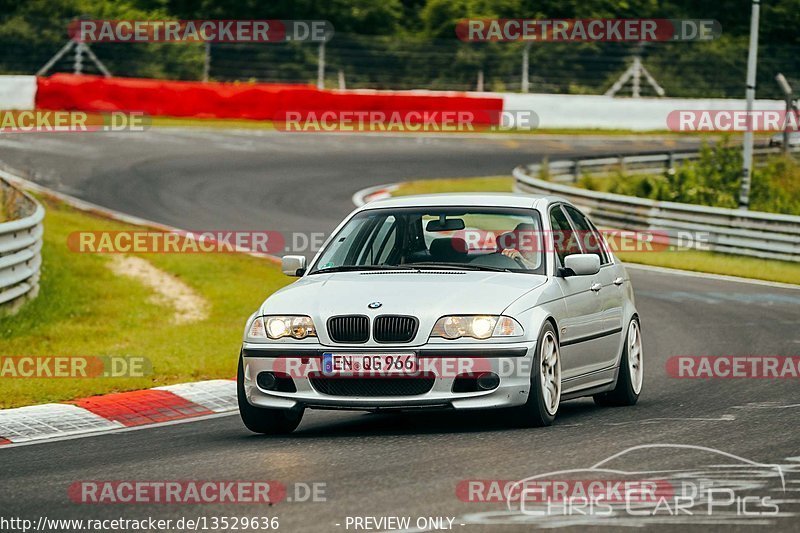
776 187
714 179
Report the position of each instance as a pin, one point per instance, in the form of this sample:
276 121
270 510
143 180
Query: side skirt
590 384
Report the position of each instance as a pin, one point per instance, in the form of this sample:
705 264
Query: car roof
460 199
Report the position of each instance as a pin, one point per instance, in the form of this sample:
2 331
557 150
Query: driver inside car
521 245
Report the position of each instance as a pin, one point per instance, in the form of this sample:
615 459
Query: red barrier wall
241 100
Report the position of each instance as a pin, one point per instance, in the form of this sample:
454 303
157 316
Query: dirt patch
187 305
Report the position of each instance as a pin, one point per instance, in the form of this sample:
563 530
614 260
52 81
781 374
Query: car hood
430 293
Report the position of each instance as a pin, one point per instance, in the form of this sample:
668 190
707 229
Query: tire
263 420
631 371
541 407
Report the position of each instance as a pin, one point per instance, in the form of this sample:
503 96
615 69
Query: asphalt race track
411 465
247 180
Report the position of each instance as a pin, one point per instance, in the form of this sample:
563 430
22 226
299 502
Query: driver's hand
513 253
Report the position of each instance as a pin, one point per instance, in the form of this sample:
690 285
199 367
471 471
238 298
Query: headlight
275 327
476 326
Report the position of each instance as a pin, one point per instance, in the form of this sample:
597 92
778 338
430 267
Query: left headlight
276 327
476 326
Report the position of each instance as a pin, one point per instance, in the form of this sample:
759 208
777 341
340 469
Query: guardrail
733 231
20 246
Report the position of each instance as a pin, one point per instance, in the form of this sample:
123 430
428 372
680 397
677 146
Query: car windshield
468 238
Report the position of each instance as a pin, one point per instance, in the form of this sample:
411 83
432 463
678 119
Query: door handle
596 287
619 281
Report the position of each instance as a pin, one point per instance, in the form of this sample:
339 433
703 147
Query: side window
563 236
604 248
587 236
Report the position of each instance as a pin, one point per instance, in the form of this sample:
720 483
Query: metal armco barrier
732 231
20 245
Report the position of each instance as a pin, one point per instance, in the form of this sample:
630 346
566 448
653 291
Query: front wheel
544 396
631 371
263 420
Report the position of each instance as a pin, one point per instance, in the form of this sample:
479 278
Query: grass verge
83 309
694 260
222 123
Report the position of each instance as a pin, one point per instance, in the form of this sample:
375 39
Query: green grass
486 184
83 309
223 123
694 260
715 263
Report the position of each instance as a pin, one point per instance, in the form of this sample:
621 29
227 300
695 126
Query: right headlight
476 326
279 326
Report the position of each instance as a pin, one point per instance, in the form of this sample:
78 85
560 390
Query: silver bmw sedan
454 301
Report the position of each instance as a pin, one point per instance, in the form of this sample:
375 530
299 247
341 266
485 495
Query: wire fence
683 69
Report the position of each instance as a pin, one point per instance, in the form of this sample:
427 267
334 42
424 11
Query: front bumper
511 361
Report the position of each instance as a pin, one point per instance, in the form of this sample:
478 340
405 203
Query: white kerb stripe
50 420
217 395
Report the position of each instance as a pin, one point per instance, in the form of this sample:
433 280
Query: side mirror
581 265
293 265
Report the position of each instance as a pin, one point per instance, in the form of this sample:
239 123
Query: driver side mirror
293 265
580 265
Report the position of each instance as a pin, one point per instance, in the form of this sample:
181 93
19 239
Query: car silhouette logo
374 305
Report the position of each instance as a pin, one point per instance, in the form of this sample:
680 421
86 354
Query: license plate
362 364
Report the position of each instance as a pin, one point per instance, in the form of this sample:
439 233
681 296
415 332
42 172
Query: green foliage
587 181
544 169
412 44
776 187
714 179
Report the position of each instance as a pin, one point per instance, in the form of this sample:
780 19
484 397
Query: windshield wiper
356 268
462 266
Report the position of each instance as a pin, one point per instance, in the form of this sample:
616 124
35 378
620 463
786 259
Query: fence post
207 61
77 65
525 83
670 163
321 66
